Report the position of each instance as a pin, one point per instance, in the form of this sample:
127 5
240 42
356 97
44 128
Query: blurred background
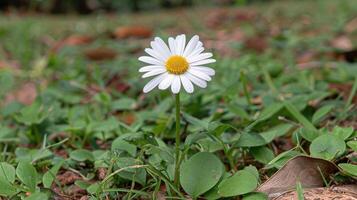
92 6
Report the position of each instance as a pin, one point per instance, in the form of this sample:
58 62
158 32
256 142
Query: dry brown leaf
256 43
351 26
342 42
306 170
73 40
25 94
101 53
68 177
132 31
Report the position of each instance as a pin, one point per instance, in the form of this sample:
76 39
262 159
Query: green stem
177 154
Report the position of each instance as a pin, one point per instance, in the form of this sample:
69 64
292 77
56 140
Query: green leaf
7 172
123 104
308 134
37 196
27 174
6 189
138 174
280 160
321 113
353 145
81 155
196 122
200 173
242 182
33 114
327 147
250 140
262 154
120 144
50 175
298 116
255 196
349 168
343 133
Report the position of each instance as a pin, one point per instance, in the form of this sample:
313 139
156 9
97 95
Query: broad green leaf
81 155
343 133
137 174
276 131
123 104
250 140
353 145
255 196
270 111
308 134
327 147
27 175
6 188
7 172
31 155
349 168
37 196
280 160
92 189
33 114
200 173
321 113
262 154
196 122
242 182
50 175
120 144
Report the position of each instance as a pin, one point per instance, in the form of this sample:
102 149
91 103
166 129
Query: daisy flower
176 64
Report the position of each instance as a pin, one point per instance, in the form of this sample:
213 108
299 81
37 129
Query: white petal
154 82
197 81
163 46
186 84
207 70
199 45
180 44
176 85
172 45
203 62
150 60
199 74
191 45
157 47
155 54
166 82
195 52
151 67
153 72
199 57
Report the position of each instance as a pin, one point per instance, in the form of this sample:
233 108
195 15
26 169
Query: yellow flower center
176 65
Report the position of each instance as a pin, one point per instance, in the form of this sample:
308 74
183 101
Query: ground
75 123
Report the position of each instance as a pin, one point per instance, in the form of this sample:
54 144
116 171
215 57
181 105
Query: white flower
177 64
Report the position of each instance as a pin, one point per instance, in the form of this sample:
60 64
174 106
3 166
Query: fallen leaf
132 31
256 43
101 53
68 177
73 40
351 26
303 169
25 94
342 42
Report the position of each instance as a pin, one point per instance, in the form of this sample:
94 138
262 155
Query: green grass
81 123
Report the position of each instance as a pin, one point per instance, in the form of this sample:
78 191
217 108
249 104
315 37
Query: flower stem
177 154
